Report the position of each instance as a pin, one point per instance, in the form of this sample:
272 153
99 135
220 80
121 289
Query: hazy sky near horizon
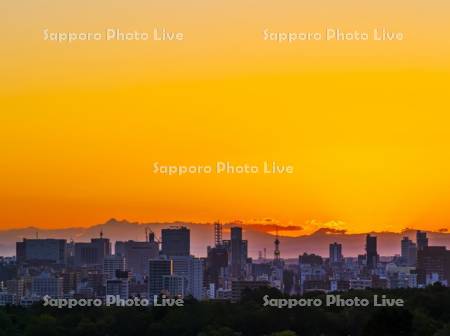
364 123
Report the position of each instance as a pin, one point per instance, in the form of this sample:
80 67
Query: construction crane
150 236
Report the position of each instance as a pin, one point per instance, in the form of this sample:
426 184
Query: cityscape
62 269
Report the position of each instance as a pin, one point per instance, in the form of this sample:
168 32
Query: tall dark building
409 252
157 269
371 252
336 253
237 251
422 240
20 252
216 260
433 264
176 241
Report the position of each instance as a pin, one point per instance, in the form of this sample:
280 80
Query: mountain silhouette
202 236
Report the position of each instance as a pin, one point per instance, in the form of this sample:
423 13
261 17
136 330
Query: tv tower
276 252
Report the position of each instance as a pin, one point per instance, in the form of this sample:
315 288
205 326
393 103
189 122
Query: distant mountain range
202 236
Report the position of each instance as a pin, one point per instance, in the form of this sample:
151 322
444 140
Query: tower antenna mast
276 252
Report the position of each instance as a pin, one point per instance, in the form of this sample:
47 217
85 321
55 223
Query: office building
111 264
372 256
176 241
237 252
433 265
401 276
41 250
92 253
119 285
138 254
95 281
311 271
216 261
71 280
192 269
175 285
408 252
46 284
422 240
16 288
336 253
157 269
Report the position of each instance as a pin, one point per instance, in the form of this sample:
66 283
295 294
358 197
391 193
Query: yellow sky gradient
365 124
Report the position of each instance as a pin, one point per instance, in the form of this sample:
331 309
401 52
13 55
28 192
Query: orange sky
364 124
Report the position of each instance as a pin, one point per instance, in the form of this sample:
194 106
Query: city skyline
225 168
332 238
57 268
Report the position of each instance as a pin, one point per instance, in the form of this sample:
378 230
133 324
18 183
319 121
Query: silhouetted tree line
427 313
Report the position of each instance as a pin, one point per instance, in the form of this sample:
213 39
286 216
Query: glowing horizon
365 124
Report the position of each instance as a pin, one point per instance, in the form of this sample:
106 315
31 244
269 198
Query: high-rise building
41 250
216 261
137 254
192 269
311 270
405 244
372 256
157 269
112 264
408 252
20 252
237 252
176 241
336 253
433 265
92 253
422 240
